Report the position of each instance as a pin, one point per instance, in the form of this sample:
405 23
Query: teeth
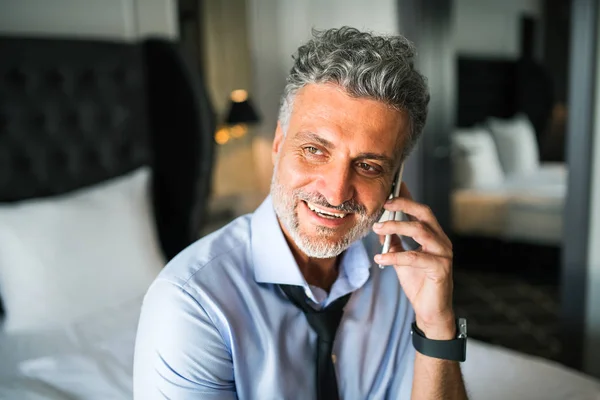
323 212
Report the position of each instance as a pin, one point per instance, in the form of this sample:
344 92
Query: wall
491 27
277 28
225 46
117 19
592 334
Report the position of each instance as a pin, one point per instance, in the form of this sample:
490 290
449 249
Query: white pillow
475 159
64 257
517 144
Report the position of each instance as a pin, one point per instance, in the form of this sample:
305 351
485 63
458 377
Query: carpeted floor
509 311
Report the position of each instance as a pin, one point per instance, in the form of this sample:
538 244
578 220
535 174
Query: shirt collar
273 260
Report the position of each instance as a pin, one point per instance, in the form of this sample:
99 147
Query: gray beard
285 205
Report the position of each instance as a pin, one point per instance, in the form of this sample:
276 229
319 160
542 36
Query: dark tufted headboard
492 87
72 113
77 112
486 87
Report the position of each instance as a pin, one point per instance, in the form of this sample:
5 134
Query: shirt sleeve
401 387
179 353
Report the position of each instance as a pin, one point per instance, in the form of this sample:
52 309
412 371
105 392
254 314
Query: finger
417 211
434 266
408 206
406 203
419 231
396 244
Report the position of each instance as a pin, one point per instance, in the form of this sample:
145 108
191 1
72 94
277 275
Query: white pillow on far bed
475 159
64 257
517 144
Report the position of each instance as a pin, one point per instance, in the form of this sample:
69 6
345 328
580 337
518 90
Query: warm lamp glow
238 96
238 130
222 136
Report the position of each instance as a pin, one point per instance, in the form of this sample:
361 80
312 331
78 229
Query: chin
319 242
323 233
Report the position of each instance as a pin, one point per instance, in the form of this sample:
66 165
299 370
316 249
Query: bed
105 171
90 212
503 188
527 209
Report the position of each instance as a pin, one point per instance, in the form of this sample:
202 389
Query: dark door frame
428 23
580 131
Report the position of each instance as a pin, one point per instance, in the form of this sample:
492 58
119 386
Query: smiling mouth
325 213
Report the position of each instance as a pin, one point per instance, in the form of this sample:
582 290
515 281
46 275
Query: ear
277 142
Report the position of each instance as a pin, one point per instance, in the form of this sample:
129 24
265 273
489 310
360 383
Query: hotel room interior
131 128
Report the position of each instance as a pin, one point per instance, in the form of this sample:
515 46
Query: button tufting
119 76
22 163
118 116
71 120
88 79
126 150
39 122
103 118
17 78
55 79
60 160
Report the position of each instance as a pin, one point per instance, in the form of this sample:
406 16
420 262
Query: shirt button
333 358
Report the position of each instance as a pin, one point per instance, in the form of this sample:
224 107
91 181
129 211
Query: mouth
323 213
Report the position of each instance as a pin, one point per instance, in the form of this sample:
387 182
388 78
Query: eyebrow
387 162
316 138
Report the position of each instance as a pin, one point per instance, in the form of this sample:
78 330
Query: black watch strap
454 350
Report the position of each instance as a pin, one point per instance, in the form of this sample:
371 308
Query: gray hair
365 65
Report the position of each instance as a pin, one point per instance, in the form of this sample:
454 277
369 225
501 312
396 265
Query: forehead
328 110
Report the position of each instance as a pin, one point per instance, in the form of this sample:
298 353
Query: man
252 310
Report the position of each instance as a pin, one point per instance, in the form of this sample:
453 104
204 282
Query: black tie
325 323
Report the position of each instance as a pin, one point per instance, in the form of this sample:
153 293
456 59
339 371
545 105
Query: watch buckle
462 328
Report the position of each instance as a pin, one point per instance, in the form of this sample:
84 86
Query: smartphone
392 214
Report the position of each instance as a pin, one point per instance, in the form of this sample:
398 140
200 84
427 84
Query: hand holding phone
395 193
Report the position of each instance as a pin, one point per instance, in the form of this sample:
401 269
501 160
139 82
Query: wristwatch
454 350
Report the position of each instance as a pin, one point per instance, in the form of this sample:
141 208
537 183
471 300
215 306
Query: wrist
441 340
443 329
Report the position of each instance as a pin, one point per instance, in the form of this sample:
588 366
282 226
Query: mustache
349 206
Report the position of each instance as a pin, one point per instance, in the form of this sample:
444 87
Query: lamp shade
241 110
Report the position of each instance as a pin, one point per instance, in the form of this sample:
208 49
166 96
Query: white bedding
523 208
89 359
93 358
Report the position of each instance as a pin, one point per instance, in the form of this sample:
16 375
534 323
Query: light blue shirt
215 325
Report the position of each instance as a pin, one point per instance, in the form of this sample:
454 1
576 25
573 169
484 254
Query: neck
320 272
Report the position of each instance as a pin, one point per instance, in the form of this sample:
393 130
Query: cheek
292 174
372 197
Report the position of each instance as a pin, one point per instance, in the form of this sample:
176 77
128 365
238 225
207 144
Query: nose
335 183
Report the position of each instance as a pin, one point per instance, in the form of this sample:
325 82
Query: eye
368 168
313 150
